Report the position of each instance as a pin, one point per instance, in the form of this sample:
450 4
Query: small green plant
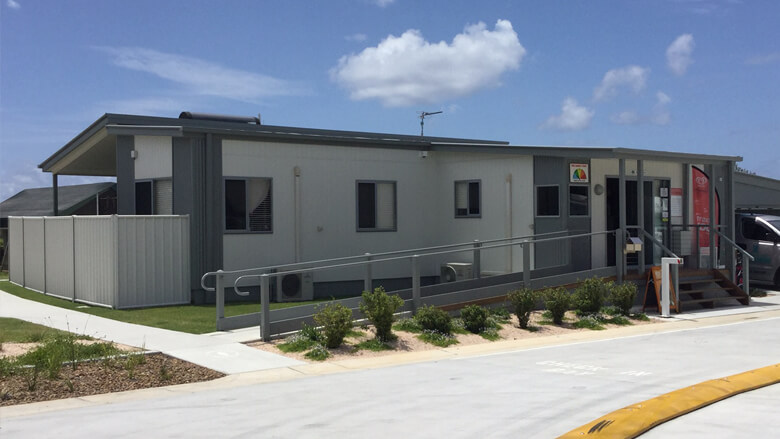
490 334
618 320
589 322
132 362
336 321
165 374
500 314
523 301
434 319
69 384
379 307
437 338
318 353
296 343
310 333
557 301
373 345
408 325
640 316
475 318
8 367
590 295
622 297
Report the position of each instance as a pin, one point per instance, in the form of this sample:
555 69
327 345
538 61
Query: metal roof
39 201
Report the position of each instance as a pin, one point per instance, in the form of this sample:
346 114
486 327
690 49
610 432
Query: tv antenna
423 115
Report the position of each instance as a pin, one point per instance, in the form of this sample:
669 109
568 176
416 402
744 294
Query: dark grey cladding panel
189 193
125 175
213 214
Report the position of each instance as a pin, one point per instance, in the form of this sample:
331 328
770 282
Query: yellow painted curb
631 421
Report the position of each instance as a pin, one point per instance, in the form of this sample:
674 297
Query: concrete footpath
222 352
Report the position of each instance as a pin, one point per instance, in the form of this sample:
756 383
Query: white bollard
665 302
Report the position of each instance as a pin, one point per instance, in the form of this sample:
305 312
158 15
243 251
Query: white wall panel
34 262
16 248
154 264
59 256
95 264
154 157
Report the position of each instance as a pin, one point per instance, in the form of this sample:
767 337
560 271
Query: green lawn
3 275
185 318
19 331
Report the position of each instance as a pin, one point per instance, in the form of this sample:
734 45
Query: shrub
379 308
408 325
434 319
557 301
311 333
336 321
589 322
500 314
317 353
474 318
622 296
523 302
437 338
590 295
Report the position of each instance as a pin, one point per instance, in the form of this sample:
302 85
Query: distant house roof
39 201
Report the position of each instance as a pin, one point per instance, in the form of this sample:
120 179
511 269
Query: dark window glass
366 206
578 200
474 198
235 205
143 198
547 201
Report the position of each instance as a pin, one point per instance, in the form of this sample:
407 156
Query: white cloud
13 4
408 70
356 37
202 77
23 177
628 117
678 54
573 117
631 77
659 116
383 3
763 59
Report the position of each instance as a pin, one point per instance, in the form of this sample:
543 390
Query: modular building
259 195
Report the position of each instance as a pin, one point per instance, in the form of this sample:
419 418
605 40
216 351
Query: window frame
357 205
536 200
587 194
468 198
246 229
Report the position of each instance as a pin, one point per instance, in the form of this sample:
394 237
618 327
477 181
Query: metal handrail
655 241
735 245
372 255
360 263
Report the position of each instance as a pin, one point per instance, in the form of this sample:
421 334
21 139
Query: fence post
220 290
526 263
746 275
476 265
619 243
368 281
265 311
416 302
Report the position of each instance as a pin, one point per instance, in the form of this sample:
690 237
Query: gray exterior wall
125 176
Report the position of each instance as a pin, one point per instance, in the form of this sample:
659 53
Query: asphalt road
541 393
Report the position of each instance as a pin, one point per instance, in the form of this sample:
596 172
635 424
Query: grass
3 275
408 325
373 345
437 339
19 331
194 319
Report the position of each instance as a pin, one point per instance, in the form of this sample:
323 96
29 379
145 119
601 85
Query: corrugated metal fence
115 261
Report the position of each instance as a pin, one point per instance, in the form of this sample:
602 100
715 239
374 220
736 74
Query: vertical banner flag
701 204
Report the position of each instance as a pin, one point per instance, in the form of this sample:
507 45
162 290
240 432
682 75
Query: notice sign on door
579 173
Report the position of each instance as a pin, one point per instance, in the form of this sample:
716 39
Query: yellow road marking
633 420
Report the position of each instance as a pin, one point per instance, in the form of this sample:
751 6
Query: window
547 201
578 200
755 231
143 198
467 199
248 204
376 206
154 197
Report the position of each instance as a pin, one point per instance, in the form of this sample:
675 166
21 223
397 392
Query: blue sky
699 76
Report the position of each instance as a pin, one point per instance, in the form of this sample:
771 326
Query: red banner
701 205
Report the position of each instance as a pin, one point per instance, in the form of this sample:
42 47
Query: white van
760 236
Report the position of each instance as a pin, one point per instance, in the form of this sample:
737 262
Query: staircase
705 288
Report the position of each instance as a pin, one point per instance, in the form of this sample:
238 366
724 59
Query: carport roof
39 201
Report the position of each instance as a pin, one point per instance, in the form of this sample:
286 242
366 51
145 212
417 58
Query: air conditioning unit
456 271
295 287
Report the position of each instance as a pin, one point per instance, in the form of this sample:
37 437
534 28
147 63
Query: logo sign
579 173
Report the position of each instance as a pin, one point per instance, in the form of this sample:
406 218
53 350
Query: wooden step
705 290
710 299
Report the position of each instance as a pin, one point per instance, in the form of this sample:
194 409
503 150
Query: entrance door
655 223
